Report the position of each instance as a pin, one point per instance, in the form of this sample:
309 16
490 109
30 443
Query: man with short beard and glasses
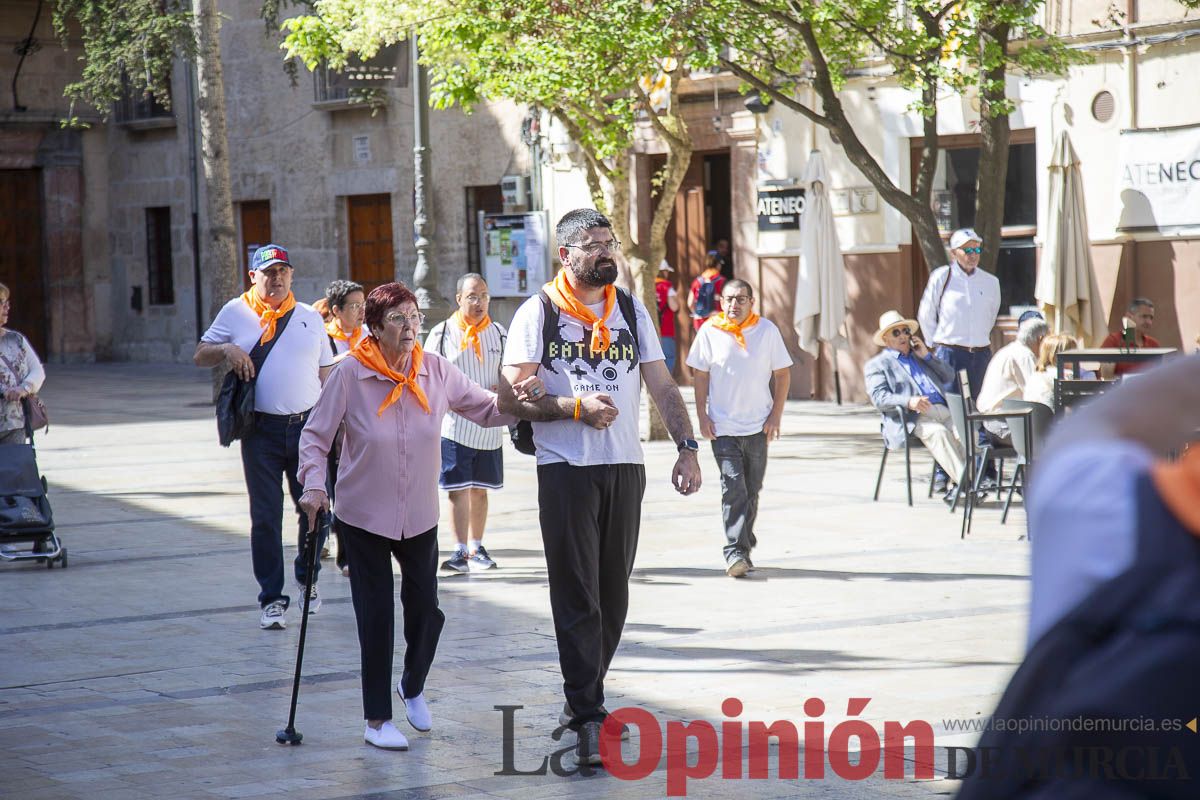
592 345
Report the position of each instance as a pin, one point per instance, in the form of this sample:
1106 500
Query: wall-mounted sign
513 251
780 209
855 200
362 149
1158 179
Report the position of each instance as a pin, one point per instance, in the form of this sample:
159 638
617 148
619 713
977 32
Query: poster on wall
513 252
1158 179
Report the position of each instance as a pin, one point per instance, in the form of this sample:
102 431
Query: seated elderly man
907 376
1007 374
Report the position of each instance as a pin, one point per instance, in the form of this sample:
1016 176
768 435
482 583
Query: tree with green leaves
780 47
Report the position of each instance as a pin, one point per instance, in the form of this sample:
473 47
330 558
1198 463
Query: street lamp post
424 274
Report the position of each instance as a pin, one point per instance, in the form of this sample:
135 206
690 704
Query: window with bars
160 276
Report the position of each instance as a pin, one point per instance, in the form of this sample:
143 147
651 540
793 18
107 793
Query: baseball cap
1030 314
665 267
268 255
962 236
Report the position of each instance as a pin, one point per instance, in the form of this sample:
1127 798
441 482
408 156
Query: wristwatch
688 444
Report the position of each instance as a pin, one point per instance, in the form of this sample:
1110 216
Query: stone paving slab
140 671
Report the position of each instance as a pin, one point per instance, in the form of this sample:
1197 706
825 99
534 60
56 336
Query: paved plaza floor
141 672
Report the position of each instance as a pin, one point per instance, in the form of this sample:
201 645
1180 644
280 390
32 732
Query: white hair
1031 330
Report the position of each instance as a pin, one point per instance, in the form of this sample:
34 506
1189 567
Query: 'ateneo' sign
780 209
1158 179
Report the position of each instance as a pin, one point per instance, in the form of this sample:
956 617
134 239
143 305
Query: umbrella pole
837 378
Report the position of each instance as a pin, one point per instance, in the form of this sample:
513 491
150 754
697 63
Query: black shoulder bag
235 403
522 433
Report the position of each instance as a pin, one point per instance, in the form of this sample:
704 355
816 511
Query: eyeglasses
737 300
596 248
414 320
899 332
973 250
5 303
352 306
478 298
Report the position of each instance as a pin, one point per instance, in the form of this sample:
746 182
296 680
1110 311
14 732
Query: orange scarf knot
267 316
471 332
370 356
562 295
334 329
723 323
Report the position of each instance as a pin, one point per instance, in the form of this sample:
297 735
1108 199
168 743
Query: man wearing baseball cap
286 385
959 307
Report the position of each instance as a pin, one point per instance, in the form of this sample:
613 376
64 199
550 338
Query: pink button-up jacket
388 473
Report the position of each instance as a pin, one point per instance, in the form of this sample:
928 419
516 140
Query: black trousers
373 593
590 518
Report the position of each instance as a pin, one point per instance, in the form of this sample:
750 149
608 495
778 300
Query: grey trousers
742 461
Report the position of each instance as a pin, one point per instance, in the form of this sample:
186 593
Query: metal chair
910 441
1029 423
967 430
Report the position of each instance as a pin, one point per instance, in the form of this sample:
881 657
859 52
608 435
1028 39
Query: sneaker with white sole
273 616
386 737
457 562
416 709
564 719
737 568
314 598
481 560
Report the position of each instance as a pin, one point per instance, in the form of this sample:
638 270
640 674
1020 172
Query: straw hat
891 319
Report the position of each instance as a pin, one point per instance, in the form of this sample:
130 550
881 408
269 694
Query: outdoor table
1098 355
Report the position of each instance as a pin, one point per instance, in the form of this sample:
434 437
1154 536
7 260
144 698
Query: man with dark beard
591 344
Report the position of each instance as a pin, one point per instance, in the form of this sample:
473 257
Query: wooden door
372 259
687 237
21 254
256 232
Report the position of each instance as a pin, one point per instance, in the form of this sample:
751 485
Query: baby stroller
26 521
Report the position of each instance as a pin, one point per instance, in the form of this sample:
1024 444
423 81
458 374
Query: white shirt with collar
958 308
1006 376
289 381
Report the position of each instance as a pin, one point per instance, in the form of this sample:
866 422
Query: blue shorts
467 468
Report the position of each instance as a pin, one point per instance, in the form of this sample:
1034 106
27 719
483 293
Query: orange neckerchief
370 356
1178 484
334 329
710 273
267 316
563 296
471 332
723 323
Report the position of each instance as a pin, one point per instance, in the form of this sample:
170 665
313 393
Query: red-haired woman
391 397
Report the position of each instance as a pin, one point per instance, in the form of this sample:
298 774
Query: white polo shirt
289 382
739 392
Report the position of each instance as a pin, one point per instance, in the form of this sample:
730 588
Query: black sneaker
457 562
587 750
564 719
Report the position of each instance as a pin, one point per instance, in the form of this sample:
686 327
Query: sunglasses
899 332
973 250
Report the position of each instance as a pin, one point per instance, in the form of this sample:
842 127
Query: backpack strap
937 308
260 352
629 312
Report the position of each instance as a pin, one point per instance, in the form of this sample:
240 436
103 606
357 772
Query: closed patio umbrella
820 308
1066 284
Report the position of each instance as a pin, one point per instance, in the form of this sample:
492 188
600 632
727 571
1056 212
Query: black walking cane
290 735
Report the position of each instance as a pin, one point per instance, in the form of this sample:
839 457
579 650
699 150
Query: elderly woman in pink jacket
391 396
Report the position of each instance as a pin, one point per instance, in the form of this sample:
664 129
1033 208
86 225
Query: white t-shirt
739 392
445 339
289 382
568 369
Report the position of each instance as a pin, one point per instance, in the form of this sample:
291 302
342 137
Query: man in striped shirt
472 458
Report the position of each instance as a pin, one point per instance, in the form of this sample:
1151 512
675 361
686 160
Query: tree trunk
994 129
218 251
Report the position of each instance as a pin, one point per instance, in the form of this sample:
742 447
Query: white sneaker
386 738
416 709
273 616
314 598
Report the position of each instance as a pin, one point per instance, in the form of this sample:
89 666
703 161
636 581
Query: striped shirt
446 339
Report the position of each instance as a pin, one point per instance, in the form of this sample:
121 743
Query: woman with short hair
21 375
390 396
344 309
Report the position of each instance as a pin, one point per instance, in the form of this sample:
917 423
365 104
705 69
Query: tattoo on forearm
675 415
